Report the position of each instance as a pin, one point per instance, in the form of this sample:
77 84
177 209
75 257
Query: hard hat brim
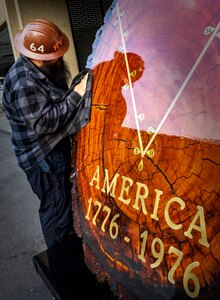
33 55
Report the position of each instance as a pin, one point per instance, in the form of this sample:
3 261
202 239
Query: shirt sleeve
41 113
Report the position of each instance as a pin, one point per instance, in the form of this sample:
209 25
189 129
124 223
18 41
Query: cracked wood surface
151 222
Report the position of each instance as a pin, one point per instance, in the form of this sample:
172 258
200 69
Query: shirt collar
33 70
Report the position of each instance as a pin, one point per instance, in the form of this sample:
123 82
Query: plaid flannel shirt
40 114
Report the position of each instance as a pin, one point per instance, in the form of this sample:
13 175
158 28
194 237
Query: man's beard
58 73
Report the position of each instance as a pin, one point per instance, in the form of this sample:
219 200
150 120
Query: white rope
130 82
182 88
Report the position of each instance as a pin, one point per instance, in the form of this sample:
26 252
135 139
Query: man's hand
80 88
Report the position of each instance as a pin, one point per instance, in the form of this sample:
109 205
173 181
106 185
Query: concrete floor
20 232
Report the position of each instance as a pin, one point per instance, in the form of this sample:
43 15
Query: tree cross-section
146 186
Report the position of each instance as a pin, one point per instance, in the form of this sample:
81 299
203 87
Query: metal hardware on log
146 186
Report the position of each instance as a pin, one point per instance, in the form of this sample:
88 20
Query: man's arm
42 114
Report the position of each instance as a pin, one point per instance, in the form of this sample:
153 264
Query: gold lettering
166 213
157 200
141 196
96 177
201 227
56 46
107 187
125 189
142 192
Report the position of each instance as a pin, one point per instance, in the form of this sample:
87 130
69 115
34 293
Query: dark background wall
86 17
6 54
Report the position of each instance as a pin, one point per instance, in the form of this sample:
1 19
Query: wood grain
136 223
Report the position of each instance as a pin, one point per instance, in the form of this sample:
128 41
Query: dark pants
50 181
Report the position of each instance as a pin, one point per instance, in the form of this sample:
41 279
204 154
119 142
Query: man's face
57 72
50 62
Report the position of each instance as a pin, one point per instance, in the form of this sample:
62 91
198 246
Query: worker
44 114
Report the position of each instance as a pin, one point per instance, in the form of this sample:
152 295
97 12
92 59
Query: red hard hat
41 40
